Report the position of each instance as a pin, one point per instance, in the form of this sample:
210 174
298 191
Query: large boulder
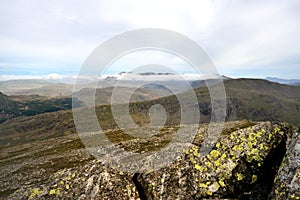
241 165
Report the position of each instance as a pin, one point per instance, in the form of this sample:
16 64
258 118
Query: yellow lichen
254 178
239 176
269 136
252 136
261 146
231 136
34 192
235 147
200 168
208 164
54 192
255 151
221 183
195 153
128 187
214 153
223 156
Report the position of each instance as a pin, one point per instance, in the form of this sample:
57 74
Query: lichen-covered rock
242 165
287 180
231 170
93 181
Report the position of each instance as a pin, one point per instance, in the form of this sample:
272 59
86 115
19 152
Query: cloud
255 35
40 37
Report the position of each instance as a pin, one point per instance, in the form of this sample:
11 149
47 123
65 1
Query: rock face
93 181
287 180
233 169
242 165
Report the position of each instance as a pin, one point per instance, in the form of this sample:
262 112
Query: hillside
256 100
29 105
104 95
252 99
295 82
42 150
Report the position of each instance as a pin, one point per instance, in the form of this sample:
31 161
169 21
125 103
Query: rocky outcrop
93 181
239 163
242 165
287 180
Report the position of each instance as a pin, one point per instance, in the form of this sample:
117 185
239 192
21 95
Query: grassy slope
262 100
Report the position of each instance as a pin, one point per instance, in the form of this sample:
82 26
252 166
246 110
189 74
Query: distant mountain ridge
35 86
295 82
253 99
63 86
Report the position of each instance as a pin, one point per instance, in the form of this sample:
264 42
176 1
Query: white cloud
169 14
57 36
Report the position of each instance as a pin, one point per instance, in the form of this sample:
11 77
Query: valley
37 146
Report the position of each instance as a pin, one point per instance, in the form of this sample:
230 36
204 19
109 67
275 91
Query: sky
243 38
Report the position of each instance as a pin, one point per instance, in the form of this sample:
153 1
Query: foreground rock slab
242 165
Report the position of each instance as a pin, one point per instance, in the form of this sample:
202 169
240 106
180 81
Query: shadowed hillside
15 106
